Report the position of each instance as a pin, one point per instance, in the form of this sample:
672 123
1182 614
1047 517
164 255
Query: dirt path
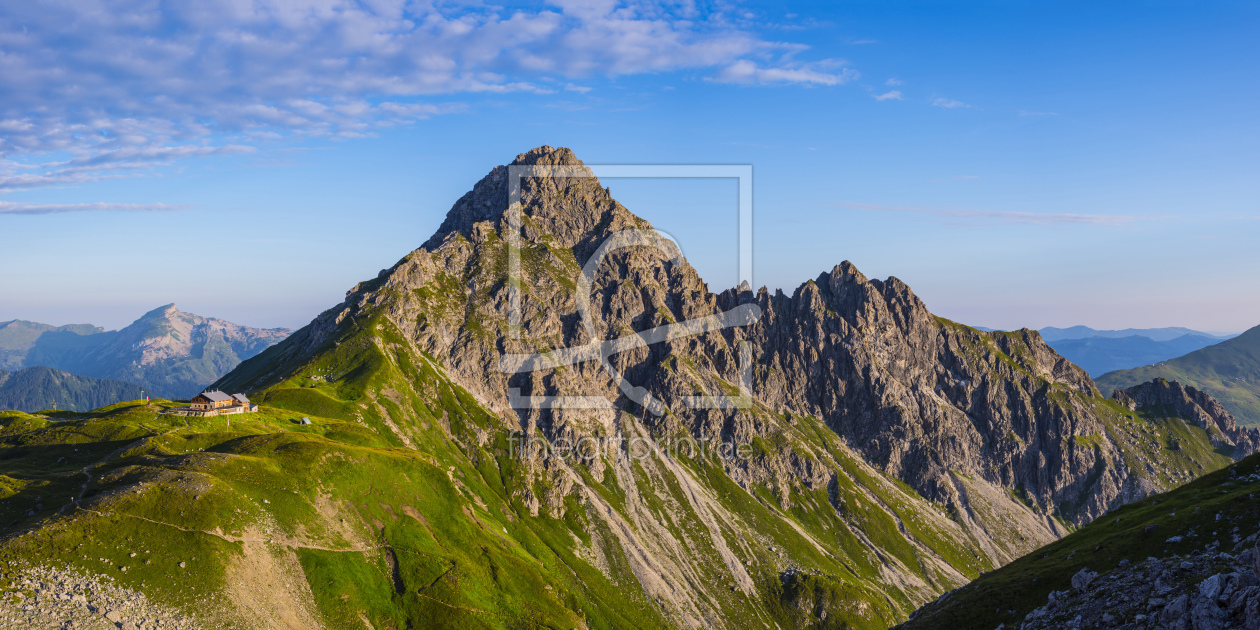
244 539
87 471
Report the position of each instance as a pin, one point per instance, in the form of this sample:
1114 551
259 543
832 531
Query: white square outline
742 172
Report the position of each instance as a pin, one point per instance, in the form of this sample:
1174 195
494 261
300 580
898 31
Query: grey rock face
1197 408
922 396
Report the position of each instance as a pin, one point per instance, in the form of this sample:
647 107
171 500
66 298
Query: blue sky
1017 163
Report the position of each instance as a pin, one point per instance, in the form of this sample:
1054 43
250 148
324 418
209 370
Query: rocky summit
543 415
1197 408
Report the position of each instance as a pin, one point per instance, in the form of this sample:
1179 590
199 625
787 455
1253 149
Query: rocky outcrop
50 598
1205 590
921 396
1196 408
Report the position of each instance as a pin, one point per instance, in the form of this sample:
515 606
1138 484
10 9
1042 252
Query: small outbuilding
305 421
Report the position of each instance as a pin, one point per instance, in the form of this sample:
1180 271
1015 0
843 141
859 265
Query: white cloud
949 103
894 82
827 72
92 78
981 217
893 95
7 207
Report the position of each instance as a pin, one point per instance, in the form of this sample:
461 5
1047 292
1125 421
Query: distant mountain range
1051 334
1229 371
171 354
38 388
1102 351
1099 355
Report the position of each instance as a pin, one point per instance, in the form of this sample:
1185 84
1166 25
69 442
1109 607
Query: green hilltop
1229 371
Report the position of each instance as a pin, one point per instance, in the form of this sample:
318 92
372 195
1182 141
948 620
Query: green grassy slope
38 388
1222 507
377 378
333 498
1229 371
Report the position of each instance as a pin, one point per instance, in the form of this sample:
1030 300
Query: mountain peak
161 312
567 204
549 156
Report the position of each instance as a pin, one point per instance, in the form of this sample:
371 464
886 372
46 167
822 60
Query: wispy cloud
112 164
893 95
894 82
7 207
138 76
827 72
949 103
992 217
